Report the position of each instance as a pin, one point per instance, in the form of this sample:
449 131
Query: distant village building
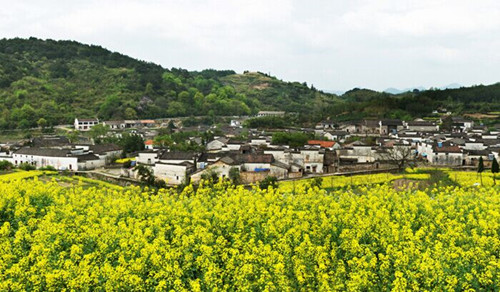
60 159
441 153
235 124
149 144
326 125
115 125
69 157
175 167
422 126
270 114
390 126
336 135
460 124
331 145
85 124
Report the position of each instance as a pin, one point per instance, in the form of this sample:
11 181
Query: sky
331 44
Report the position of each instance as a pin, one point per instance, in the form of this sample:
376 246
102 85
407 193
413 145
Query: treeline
364 103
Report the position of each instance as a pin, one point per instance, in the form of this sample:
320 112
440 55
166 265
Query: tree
5 165
494 169
130 113
109 107
73 136
98 131
447 124
145 174
163 141
131 143
234 175
171 127
26 166
317 182
399 155
269 181
211 176
480 168
294 140
42 123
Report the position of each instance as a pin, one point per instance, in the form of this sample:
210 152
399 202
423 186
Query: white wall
475 146
278 172
143 158
59 163
91 164
233 146
172 174
253 166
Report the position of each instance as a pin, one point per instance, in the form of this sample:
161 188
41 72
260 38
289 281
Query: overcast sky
335 45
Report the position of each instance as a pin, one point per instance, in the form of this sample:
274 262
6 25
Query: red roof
322 144
148 142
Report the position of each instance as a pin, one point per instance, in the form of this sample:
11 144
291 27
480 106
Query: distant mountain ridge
393 90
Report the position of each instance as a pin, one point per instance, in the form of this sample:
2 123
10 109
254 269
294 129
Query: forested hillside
60 80
363 103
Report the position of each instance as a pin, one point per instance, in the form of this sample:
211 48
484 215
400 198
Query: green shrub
5 165
26 166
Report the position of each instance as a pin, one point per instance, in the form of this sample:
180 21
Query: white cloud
332 44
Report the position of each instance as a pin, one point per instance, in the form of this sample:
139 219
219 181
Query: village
253 154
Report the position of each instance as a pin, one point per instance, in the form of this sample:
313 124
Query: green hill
61 80
58 80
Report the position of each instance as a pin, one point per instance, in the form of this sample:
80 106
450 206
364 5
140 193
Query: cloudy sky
335 45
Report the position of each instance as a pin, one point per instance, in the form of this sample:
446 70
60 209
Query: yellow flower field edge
21 174
85 180
123 160
230 238
471 178
355 180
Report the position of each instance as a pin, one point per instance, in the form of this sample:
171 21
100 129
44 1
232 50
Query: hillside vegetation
60 80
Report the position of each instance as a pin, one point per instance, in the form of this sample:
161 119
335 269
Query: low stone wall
250 177
121 181
364 167
295 174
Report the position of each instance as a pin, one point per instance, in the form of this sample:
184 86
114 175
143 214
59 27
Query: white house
85 124
173 174
359 153
60 159
441 153
148 157
6 156
73 159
